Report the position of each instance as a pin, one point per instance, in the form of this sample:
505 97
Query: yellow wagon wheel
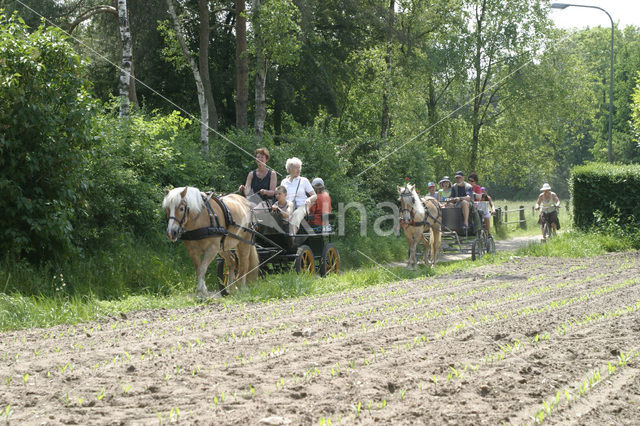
304 261
330 262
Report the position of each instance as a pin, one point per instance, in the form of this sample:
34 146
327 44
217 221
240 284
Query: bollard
497 218
523 221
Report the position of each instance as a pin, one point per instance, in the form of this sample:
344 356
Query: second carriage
474 240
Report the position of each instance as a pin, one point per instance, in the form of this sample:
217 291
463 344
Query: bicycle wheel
491 245
477 249
546 230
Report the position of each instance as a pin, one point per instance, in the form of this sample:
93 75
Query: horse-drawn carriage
249 240
309 251
474 240
431 229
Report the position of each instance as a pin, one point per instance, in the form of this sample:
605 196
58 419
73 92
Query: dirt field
533 338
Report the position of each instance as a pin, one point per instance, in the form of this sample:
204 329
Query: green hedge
606 192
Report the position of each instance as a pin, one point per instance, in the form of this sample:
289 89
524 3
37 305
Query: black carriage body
277 249
474 240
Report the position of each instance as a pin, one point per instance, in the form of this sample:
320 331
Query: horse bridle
405 194
182 221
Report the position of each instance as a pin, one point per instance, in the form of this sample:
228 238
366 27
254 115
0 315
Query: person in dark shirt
261 181
461 193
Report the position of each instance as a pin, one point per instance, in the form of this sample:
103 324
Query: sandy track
485 346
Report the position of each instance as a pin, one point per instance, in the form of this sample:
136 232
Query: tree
503 36
127 85
275 41
202 99
203 63
242 66
44 129
635 112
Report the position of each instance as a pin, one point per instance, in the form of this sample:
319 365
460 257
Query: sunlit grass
169 285
513 230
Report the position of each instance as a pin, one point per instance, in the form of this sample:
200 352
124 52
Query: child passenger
282 205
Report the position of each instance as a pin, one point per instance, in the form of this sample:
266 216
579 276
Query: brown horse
207 230
416 216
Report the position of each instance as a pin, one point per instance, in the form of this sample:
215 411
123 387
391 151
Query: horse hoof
205 295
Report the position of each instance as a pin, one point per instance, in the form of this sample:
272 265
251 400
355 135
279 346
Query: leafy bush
611 190
127 167
44 116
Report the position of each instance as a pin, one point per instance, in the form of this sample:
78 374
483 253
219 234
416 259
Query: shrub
44 116
605 191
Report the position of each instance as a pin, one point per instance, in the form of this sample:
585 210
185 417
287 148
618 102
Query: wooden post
523 220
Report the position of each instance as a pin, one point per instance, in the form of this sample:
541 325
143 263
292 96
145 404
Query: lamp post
564 6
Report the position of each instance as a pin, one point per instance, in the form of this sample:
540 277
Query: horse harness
423 222
215 229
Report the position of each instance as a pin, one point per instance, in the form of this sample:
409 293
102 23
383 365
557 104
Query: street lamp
566 5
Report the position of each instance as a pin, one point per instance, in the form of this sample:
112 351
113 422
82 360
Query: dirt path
489 345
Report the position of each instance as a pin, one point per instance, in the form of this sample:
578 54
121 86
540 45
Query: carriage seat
328 218
452 220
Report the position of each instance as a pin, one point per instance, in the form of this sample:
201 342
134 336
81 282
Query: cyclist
549 204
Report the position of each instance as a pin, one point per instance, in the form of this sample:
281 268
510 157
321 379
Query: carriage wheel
304 260
223 276
477 249
491 245
330 262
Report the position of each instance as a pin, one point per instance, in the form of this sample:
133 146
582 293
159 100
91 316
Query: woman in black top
261 181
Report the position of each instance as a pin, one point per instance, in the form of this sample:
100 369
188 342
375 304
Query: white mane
192 198
418 207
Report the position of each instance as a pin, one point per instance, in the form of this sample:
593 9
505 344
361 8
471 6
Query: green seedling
7 414
125 389
100 394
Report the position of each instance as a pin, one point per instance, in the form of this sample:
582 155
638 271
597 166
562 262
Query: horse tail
254 262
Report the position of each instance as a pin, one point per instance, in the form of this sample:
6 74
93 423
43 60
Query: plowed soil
532 338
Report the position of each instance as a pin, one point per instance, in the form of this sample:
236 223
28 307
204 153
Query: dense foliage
44 115
605 193
364 93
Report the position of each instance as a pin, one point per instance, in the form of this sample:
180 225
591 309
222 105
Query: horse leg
232 267
434 237
427 247
413 262
243 263
209 254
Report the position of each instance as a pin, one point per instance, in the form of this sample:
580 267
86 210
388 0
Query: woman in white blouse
299 192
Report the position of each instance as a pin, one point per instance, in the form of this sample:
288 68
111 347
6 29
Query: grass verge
18 311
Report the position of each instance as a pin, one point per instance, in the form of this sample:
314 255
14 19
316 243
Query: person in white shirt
299 192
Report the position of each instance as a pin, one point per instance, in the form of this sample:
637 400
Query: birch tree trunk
127 58
202 101
386 118
261 77
127 51
203 61
242 67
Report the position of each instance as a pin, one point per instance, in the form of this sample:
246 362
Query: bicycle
548 228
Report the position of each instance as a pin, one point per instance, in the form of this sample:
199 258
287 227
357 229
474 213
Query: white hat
545 187
317 182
